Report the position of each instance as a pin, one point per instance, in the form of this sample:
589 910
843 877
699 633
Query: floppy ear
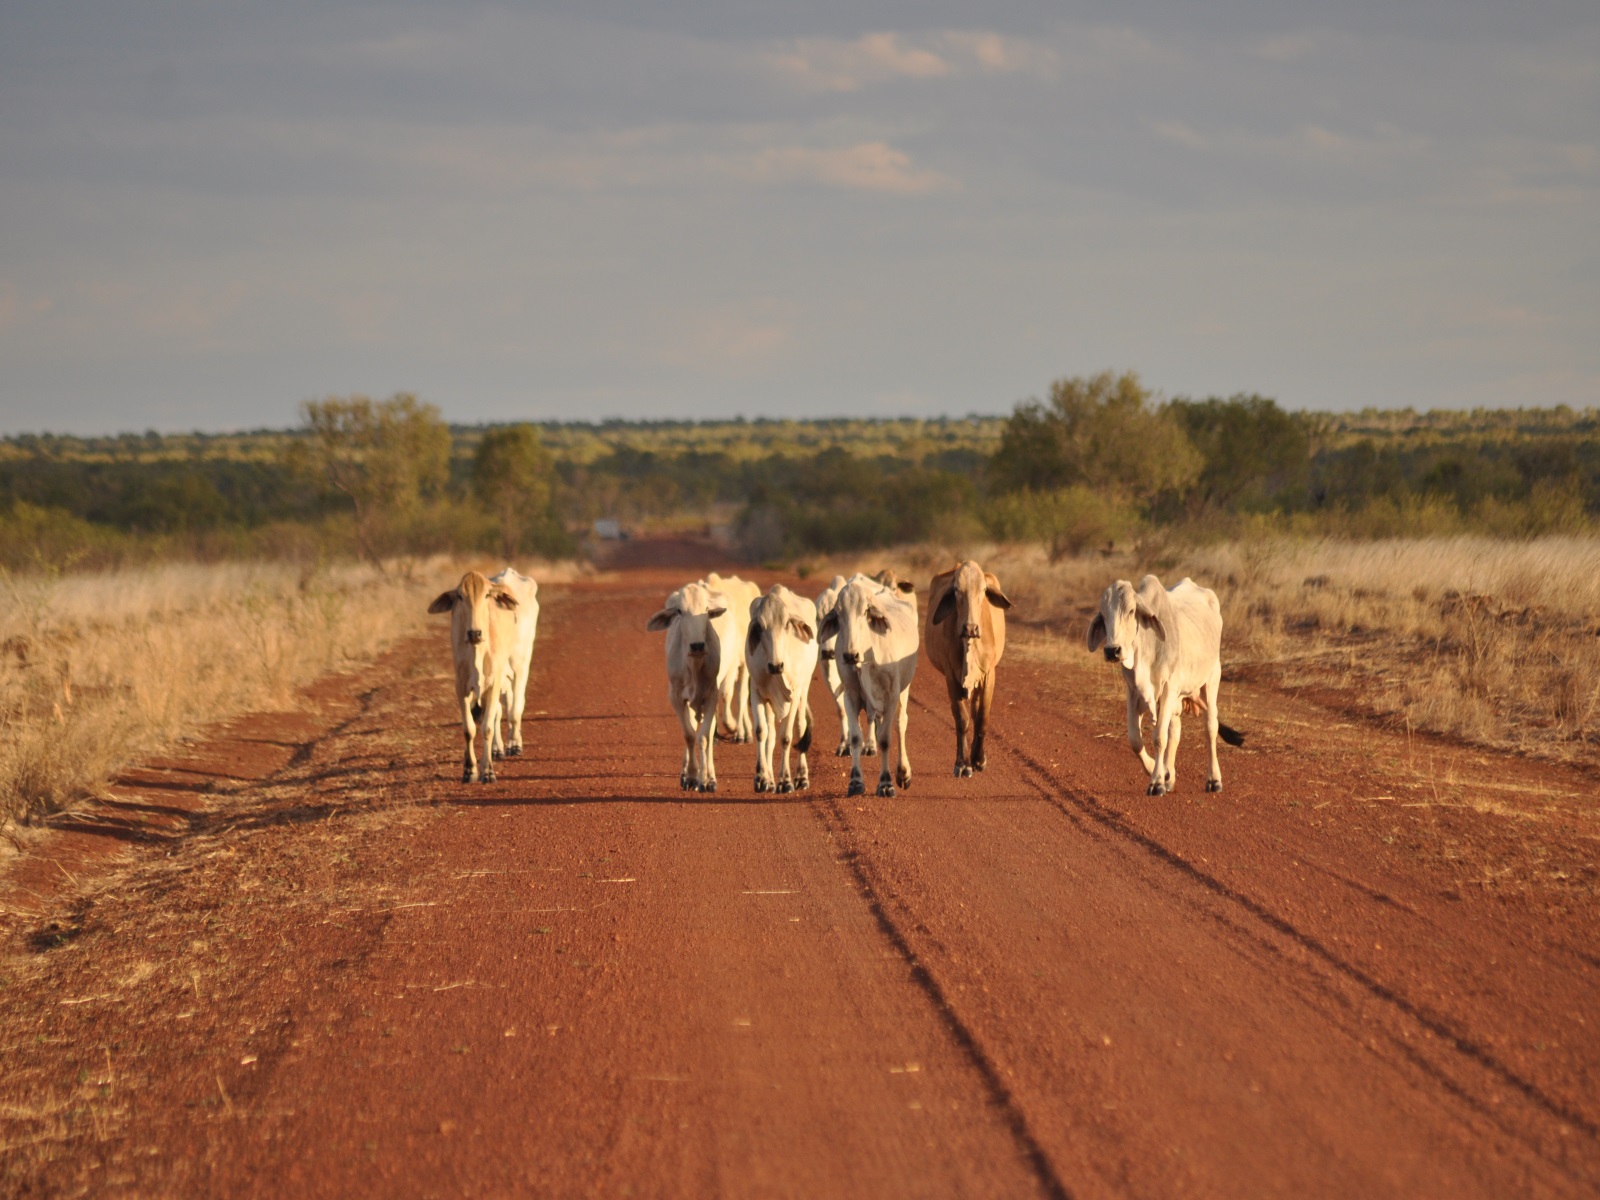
801 630
946 607
714 613
991 589
504 599
829 626
905 585
443 602
662 619
876 619
1149 620
1097 632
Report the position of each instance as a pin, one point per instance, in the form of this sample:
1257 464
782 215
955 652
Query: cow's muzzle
825 655
1113 653
970 632
774 668
474 637
697 647
853 659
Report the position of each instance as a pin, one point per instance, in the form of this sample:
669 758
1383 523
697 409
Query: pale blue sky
212 211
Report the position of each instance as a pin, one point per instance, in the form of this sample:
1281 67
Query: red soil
321 966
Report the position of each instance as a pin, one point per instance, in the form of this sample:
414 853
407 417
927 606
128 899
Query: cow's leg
1174 736
1214 774
746 717
469 729
1135 736
830 676
785 740
981 699
519 703
491 729
903 713
688 775
872 731
958 710
802 774
708 739
1165 715
762 720
853 727
885 721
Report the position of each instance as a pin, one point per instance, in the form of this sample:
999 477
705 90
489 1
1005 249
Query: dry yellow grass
98 669
1494 641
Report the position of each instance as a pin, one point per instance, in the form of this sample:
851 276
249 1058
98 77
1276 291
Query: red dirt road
326 968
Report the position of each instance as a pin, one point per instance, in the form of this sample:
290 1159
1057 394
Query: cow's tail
1230 735
804 744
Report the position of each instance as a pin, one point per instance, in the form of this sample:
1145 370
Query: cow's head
857 614
689 612
1123 623
468 605
779 626
825 603
970 590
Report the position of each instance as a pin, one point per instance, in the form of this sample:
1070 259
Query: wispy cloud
828 64
866 166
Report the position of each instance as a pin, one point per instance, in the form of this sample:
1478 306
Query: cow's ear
443 602
905 585
1097 632
504 599
714 613
662 619
753 638
996 596
829 625
876 619
801 630
946 608
1149 620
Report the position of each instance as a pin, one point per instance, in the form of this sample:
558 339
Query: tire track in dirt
582 981
1061 797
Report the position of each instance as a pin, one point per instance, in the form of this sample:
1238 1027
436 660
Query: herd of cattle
740 663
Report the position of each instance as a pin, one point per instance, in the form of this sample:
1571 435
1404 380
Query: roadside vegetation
1435 569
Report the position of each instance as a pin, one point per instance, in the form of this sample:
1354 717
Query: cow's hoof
1213 785
963 771
979 764
903 779
803 783
857 788
686 784
466 776
784 787
709 786
1156 789
496 754
514 752
843 751
488 777
761 784
885 788
869 750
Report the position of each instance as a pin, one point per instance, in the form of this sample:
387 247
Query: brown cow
965 637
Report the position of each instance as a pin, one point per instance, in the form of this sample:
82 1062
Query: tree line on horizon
1098 462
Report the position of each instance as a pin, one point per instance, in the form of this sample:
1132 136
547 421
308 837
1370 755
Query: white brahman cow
1169 644
781 651
702 646
830 669
482 634
514 696
734 711
876 629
